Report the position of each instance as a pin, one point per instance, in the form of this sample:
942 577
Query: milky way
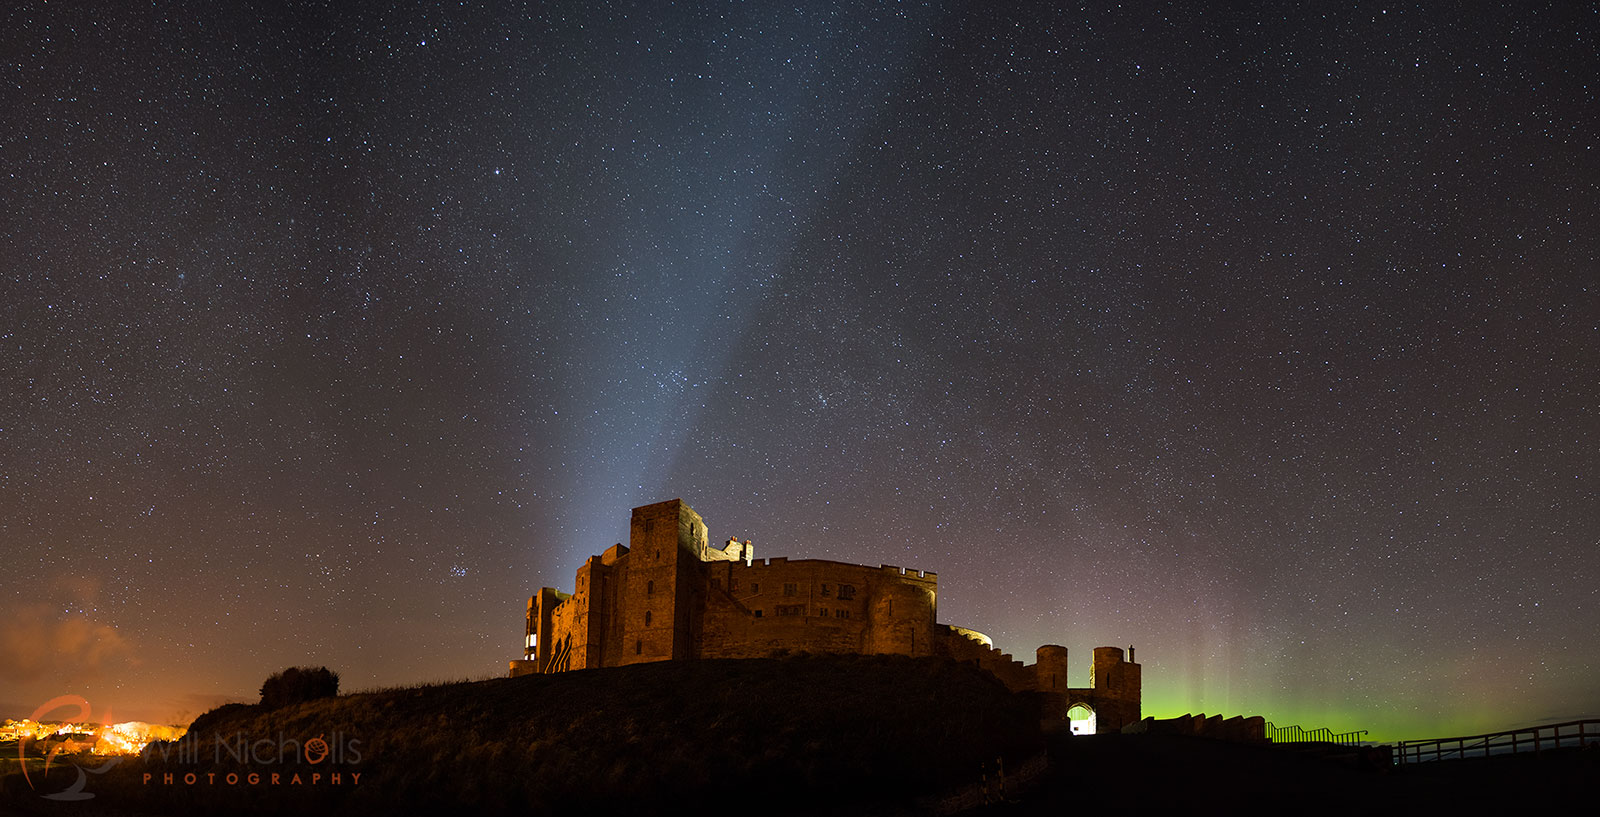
1262 339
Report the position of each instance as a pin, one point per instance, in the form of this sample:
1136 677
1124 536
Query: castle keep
668 595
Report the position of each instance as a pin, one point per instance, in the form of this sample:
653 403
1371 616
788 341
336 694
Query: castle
668 595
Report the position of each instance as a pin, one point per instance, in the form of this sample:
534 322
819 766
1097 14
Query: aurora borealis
1262 338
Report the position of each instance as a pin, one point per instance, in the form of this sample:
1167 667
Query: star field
1260 338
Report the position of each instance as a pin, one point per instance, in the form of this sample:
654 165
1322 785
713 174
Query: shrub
297 685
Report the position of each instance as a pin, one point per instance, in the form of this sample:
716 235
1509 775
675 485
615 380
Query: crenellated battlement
1251 729
906 571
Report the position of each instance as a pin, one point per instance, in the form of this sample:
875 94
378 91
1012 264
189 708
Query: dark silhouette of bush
297 685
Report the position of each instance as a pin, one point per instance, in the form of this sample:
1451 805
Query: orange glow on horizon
128 738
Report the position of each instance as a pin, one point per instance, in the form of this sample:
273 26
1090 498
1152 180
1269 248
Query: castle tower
1118 688
1050 681
590 607
1051 668
667 542
900 619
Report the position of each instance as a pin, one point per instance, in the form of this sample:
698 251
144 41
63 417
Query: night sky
1263 338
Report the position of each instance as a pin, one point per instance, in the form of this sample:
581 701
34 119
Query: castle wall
608 595
780 606
734 634
668 596
1013 673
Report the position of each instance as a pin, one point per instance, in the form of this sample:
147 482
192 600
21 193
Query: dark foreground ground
1153 774
848 735
1117 775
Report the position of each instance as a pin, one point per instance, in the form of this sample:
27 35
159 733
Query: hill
803 735
834 734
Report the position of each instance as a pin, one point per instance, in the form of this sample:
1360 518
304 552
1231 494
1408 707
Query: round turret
1051 667
901 619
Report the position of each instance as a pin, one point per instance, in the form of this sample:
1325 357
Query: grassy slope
832 735
837 733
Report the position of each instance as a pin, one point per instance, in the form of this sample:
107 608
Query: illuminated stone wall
668 595
778 606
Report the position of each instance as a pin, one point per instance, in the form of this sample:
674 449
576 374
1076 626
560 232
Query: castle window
790 589
649 587
638 647
822 611
826 592
758 614
841 613
847 592
647 616
755 587
791 610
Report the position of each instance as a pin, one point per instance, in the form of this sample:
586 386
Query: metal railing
1572 734
1294 734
